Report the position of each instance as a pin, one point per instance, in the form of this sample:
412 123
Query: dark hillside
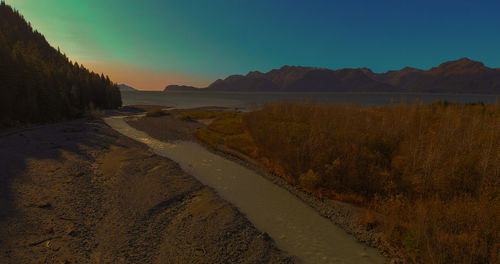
174 87
40 84
460 76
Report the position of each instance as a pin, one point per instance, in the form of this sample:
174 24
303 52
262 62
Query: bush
309 180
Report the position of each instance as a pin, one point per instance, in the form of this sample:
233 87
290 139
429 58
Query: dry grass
157 112
432 171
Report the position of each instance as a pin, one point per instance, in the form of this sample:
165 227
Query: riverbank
348 217
423 174
79 192
292 224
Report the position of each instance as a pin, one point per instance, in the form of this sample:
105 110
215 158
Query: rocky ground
78 192
166 128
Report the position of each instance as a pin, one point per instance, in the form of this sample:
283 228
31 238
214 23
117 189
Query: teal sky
149 44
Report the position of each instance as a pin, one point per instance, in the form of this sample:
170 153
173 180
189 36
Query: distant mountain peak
366 70
292 67
124 87
461 64
410 69
254 74
466 60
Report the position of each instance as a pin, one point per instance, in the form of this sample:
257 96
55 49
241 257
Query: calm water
295 227
251 100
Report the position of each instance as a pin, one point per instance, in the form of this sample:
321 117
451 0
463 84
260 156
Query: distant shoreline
240 100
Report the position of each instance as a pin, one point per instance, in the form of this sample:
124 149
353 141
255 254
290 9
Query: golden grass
431 171
157 113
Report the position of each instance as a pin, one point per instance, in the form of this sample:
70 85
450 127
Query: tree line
40 84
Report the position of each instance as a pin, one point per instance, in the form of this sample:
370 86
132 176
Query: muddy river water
295 227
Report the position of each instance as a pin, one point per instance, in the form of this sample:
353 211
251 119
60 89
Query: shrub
309 180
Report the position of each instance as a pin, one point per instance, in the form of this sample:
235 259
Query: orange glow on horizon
145 79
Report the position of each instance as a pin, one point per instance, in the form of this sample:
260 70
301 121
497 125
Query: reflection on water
250 100
294 226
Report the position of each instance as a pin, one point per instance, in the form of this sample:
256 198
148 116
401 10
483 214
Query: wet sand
79 192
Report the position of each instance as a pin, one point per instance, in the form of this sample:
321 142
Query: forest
428 174
40 84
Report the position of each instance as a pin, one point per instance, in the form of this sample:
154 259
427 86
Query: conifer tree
38 83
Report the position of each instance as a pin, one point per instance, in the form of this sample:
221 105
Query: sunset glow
151 44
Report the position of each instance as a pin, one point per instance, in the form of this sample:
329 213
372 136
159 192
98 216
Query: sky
149 44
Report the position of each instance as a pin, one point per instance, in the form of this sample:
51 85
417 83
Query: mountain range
459 76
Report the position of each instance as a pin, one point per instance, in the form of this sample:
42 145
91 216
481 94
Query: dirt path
78 192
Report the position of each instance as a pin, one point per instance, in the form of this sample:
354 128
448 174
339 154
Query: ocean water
253 100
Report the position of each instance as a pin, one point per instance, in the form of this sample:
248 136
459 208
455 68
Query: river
296 228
